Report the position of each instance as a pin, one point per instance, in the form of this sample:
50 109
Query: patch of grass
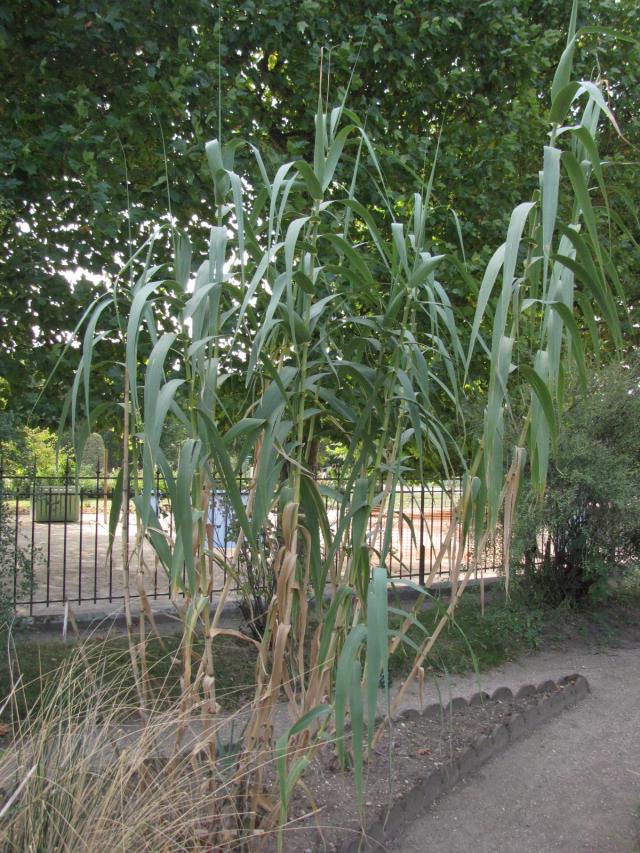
606 622
475 642
472 641
469 642
40 662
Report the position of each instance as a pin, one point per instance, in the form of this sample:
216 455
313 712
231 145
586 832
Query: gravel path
573 786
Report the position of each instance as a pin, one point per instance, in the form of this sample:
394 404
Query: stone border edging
563 694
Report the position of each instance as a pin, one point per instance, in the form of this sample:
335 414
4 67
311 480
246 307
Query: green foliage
10 424
93 455
472 640
88 83
30 449
589 519
16 574
331 316
40 664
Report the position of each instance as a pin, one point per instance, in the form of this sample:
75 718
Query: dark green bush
585 535
16 575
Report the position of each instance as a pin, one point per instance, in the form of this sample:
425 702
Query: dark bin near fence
56 504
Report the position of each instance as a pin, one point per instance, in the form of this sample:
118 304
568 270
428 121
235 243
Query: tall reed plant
331 318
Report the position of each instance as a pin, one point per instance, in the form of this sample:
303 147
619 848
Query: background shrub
15 568
586 533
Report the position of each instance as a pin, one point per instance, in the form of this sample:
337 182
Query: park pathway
573 786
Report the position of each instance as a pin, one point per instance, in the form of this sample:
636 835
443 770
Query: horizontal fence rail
61 526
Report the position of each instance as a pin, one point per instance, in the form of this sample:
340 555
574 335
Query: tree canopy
99 97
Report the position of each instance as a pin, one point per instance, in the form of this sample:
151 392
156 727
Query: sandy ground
573 786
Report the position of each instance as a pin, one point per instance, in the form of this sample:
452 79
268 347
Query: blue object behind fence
222 519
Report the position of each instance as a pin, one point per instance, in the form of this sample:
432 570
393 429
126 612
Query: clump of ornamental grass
83 770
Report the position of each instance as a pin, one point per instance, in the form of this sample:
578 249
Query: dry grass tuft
85 772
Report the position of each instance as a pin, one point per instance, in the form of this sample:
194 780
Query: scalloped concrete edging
554 698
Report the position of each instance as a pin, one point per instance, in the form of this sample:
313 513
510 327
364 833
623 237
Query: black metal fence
61 526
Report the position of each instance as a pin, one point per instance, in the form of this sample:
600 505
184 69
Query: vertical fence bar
156 521
440 572
402 524
430 528
220 539
15 544
105 514
111 558
391 505
49 509
95 534
421 555
110 595
126 491
369 525
80 549
64 533
33 548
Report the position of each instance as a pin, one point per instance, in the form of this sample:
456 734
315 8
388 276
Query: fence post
421 569
105 485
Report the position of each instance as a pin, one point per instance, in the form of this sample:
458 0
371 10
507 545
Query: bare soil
328 815
574 641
